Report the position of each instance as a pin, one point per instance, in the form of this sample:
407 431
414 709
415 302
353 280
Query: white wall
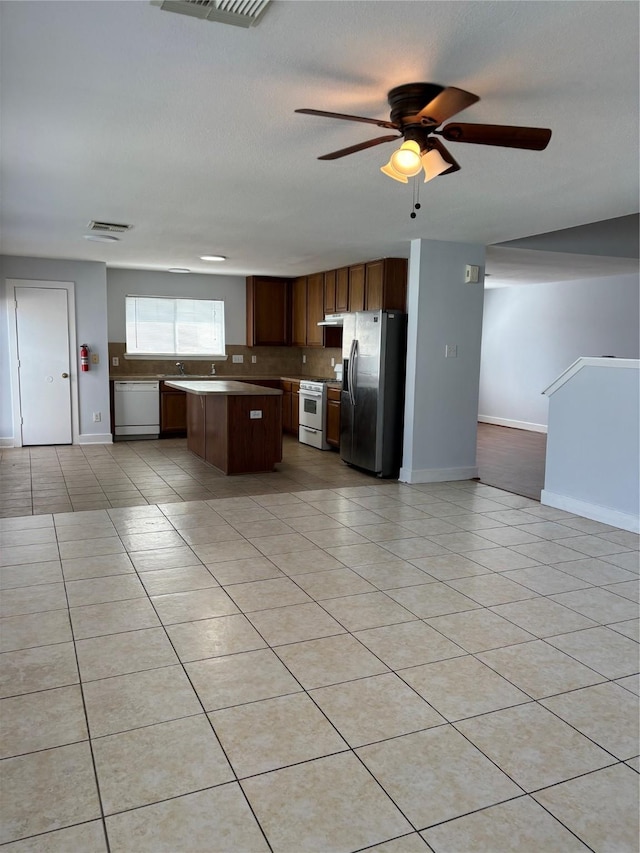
229 288
442 393
531 333
592 453
91 327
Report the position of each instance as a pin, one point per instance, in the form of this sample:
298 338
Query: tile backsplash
270 361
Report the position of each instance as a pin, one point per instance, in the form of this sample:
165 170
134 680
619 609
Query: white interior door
44 376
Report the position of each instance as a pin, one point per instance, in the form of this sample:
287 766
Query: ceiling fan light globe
390 172
406 160
433 164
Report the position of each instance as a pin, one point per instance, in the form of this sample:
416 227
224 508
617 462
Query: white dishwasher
136 406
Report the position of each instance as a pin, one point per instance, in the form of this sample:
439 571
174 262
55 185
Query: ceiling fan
417 112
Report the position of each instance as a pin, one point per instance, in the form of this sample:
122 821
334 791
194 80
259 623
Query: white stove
313 413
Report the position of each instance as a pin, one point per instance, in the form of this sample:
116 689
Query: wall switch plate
97 417
333 362
254 358
304 359
451 351
115 361
471 274
95 358
237 359
255 414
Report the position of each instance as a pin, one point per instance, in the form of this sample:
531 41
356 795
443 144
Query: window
170 326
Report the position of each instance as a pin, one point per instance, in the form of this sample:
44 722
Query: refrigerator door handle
353 355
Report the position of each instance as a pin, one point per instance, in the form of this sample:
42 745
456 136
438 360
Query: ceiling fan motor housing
409 99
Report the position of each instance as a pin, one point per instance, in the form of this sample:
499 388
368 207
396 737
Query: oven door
311 409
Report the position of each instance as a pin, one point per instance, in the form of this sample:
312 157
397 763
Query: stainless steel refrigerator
374 347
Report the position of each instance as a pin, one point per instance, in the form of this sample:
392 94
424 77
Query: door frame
69 286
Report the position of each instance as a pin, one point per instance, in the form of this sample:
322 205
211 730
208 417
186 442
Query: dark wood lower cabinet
222 431
173 412
290 406
196 424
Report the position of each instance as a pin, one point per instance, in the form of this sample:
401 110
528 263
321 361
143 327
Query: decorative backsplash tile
270 361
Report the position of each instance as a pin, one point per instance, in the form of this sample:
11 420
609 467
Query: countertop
228 388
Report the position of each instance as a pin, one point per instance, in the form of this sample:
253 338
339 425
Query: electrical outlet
97 417
237 359
255 414
95 358
115 361
254 359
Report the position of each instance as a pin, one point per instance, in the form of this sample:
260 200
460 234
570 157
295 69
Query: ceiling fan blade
531 138
444 153
359 147
378 122
449 102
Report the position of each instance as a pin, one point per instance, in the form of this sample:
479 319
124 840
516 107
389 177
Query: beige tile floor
310 660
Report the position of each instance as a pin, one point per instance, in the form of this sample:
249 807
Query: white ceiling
186 129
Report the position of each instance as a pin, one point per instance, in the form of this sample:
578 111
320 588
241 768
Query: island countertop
224 387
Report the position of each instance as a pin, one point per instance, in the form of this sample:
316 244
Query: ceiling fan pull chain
416 197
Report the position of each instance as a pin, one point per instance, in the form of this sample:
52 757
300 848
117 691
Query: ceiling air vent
108 227
240 13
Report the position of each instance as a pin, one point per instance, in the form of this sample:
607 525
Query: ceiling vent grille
108 227
240 13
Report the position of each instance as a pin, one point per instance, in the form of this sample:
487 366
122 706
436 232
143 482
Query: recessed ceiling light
212 258
178 269
101 238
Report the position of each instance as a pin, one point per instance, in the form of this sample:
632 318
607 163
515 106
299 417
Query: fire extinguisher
84 357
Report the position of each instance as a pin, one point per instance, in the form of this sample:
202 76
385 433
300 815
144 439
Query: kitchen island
235 426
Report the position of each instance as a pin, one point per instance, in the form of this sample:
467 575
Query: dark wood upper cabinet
330 292
299 312
315 309
386 284
356 287
268 311
342 290
374 276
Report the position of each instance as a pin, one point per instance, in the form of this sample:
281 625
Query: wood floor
512 459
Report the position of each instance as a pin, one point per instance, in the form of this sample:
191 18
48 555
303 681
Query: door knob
65 375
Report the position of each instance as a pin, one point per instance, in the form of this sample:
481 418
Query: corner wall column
441 409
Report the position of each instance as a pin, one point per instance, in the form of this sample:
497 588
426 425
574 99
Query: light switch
237 359
95 358
451 351
255 414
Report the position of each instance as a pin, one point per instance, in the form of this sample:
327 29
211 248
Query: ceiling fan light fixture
390 172
433 164
406 160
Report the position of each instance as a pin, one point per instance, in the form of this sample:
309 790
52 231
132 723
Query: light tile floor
311 660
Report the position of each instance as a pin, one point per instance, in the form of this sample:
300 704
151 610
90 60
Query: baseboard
97 438
437 475
605 514
486 419
6 442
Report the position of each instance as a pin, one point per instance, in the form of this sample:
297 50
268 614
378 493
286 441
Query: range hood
332 320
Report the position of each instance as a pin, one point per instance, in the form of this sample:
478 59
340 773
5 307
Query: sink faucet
180 367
